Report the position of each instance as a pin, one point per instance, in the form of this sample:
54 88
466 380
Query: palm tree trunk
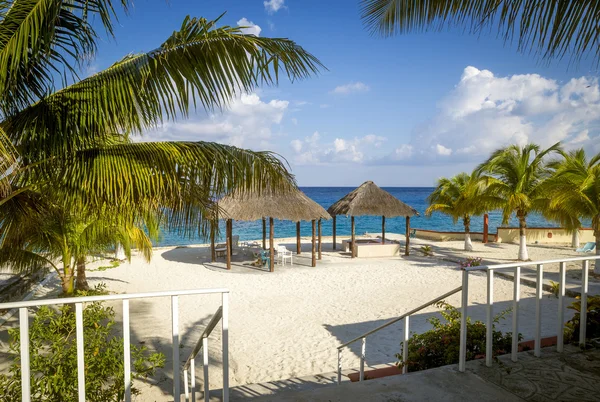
81 282
523 255
575 239
67 281
467 223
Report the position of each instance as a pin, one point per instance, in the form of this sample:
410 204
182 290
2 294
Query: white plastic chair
283 254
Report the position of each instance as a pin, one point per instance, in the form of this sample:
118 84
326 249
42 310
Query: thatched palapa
291 205
369 199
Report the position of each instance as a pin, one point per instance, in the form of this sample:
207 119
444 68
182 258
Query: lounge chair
284 254
587 248
413 234
221 250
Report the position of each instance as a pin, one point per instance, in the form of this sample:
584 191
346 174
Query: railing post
515 318
25 370
489 334
339 367
126 351
225 338
363 350
186 386
537 348
175 343
561 308
193 378
80 351
584 294
462 357
405 344
205 369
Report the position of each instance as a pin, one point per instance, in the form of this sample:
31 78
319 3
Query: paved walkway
570 376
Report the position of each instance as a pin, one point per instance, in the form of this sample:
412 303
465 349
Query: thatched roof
369 199
292 206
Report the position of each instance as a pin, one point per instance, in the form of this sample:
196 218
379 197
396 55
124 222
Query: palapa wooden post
231 236
264 233
383 229
334 245
352 245
486 222
271 248
406 251
314 258
320 239
228 241
298 243
213 254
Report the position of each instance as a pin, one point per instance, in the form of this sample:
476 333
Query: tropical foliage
440 345
461 197
515 175
53 357
573 326
552 29
74 144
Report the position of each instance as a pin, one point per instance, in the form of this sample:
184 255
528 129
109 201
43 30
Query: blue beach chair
587 248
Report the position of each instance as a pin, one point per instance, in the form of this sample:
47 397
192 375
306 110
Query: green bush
440 345
593 319
53 357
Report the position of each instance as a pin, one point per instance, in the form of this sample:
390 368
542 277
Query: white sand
288 323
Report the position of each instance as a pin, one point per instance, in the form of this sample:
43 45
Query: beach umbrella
369 199
292 205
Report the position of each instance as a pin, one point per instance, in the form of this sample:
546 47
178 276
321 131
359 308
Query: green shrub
53 357
471 262
440 345
427 251
593 319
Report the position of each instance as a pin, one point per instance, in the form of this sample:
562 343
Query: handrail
409 313
530 263
127 296
205 334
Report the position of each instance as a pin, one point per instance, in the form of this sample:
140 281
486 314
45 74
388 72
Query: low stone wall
544 235
447 236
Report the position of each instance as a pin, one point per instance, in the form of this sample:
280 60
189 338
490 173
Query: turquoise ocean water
326 196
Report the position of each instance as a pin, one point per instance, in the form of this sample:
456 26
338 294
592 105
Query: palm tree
461 197
549 28
515 176
39 232
69 142
574 191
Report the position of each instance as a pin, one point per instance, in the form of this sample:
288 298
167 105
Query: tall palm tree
515 176
68 142
550 28
461 197
574 191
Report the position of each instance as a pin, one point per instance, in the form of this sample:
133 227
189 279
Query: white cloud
294 121
248 121
249 27
351 88
272 6
312 150
485 112
324 106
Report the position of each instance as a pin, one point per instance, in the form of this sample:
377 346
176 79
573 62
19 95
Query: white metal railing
363 337
78 302
201 345
516 267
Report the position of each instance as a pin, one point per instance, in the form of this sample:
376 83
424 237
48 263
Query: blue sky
402 111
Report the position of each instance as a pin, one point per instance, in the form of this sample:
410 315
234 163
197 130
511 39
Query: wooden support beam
383 230
231 236
314 246
334 244
298 242
353 238
264 233
228 241
486 222
320 240
271 247
213 229
406 250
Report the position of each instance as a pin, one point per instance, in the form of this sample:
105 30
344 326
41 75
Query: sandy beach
288 323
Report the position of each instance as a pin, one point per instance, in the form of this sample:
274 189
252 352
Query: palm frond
198 63
550 28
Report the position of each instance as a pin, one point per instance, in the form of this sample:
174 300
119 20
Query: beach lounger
587 248
221 250
413 234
